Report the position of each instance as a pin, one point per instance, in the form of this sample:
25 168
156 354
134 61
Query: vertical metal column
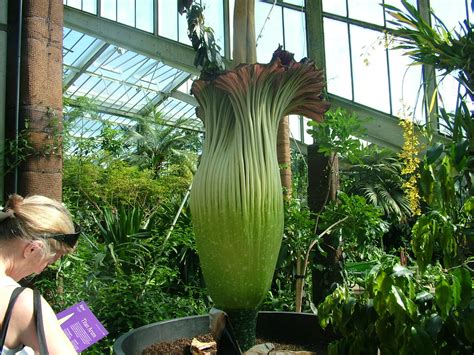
227 31
429 76
315 32
3 80
12 92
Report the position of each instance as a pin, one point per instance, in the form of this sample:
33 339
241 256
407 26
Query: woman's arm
56 341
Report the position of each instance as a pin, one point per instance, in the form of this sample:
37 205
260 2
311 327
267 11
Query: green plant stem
244 324
299 291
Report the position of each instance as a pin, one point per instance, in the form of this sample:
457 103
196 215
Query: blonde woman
34 232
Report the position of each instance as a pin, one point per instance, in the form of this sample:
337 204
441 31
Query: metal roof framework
124 84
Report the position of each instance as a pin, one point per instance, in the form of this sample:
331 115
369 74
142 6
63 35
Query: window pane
126 12
366 10
90 6
108 9
74 3
451 13
167 19
406 82
145 15
338 70
337 7
448 89
271 31
295 2
214 17
295 30
295 127
370 68
308 139
182 28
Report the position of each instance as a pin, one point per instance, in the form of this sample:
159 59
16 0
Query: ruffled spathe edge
306 96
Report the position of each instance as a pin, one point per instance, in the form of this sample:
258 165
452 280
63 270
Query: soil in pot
183 346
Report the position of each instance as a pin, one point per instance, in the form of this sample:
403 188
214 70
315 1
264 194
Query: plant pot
282 327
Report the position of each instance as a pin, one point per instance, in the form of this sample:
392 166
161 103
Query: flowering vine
409 156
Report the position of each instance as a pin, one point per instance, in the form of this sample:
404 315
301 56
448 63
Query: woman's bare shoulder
22 315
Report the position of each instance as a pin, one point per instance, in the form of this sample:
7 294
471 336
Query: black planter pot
282 327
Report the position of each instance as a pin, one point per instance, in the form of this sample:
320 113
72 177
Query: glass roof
121 82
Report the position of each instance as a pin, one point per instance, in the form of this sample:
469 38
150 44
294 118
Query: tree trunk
284 156
40 101
322 188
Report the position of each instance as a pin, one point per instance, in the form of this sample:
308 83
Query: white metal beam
84 66
165 50
382 129
168 91
184 97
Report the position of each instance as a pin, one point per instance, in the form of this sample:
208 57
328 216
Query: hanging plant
236 200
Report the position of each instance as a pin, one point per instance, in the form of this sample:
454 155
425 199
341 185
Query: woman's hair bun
13 202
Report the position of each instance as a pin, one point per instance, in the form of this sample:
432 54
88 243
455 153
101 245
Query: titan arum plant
236 200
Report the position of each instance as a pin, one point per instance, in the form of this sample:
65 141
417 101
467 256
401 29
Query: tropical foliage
426 308
405 280
377 177
154 142
404 314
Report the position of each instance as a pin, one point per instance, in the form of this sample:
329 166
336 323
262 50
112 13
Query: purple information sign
81 326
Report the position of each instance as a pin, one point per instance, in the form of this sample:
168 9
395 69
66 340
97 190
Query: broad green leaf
424 296
409 308
411 289
363 266
468 326
456 291
427 184
434 325
412 309
434 153
448 242
384 330
464 277
421 342
443 298
422 241
468 206
382 293
445 178
400 298
460 151
401 271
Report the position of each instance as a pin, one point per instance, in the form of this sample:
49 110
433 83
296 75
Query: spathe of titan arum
236 199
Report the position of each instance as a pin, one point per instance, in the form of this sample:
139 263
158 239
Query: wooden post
322 188
284 157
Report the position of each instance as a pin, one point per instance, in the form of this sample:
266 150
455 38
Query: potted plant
236 199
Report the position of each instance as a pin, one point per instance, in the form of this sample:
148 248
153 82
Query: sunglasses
69 239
